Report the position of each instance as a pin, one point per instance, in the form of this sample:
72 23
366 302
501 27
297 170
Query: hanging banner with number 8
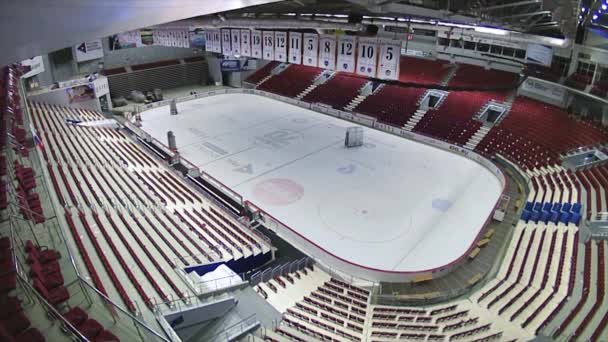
390 54
327 51
367 55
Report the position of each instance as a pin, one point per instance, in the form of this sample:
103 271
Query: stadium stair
413 121
307 91
477 137
363 94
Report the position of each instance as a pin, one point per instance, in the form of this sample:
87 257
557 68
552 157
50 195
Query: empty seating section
452 121
534 134
474 76
109 184
338 91
333 311
391 104
261 73
422 71
292 81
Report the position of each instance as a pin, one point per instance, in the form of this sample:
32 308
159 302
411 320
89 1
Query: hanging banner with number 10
367 55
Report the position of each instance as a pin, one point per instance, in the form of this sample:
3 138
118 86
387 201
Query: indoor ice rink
390 204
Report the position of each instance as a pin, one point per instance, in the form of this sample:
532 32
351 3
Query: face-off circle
278 191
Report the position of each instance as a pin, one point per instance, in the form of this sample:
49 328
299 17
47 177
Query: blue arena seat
547 206
538 206
575 218
576 208
544 216
566 207
564 218
557 206
535 216
525 215
529 206
554 216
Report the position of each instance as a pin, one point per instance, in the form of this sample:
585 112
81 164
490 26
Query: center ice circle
372 224
278 191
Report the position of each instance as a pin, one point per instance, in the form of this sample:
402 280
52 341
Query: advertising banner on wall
89 50
126 40
33 66
539 54
198 37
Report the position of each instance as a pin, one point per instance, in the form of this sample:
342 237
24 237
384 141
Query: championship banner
226 47
388 65
217 41
295 47
256 44
367 56
346 54
311 49
86 51
235 40
327 51
267 45
280 46
209 41
171 38
245 43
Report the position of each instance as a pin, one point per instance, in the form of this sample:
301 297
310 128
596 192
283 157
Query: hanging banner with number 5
311 49
367 55
327 51
390 55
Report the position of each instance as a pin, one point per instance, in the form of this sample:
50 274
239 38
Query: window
444 42
456 43
483 47
519 53
496 49
586 69
508 51
602 74
560 65
469 45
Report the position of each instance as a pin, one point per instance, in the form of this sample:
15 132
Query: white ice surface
393 204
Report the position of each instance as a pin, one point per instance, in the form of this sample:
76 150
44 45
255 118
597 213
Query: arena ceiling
553 18
33 27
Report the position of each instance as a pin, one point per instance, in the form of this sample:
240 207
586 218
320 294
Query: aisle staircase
363 94
477 137
413 121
